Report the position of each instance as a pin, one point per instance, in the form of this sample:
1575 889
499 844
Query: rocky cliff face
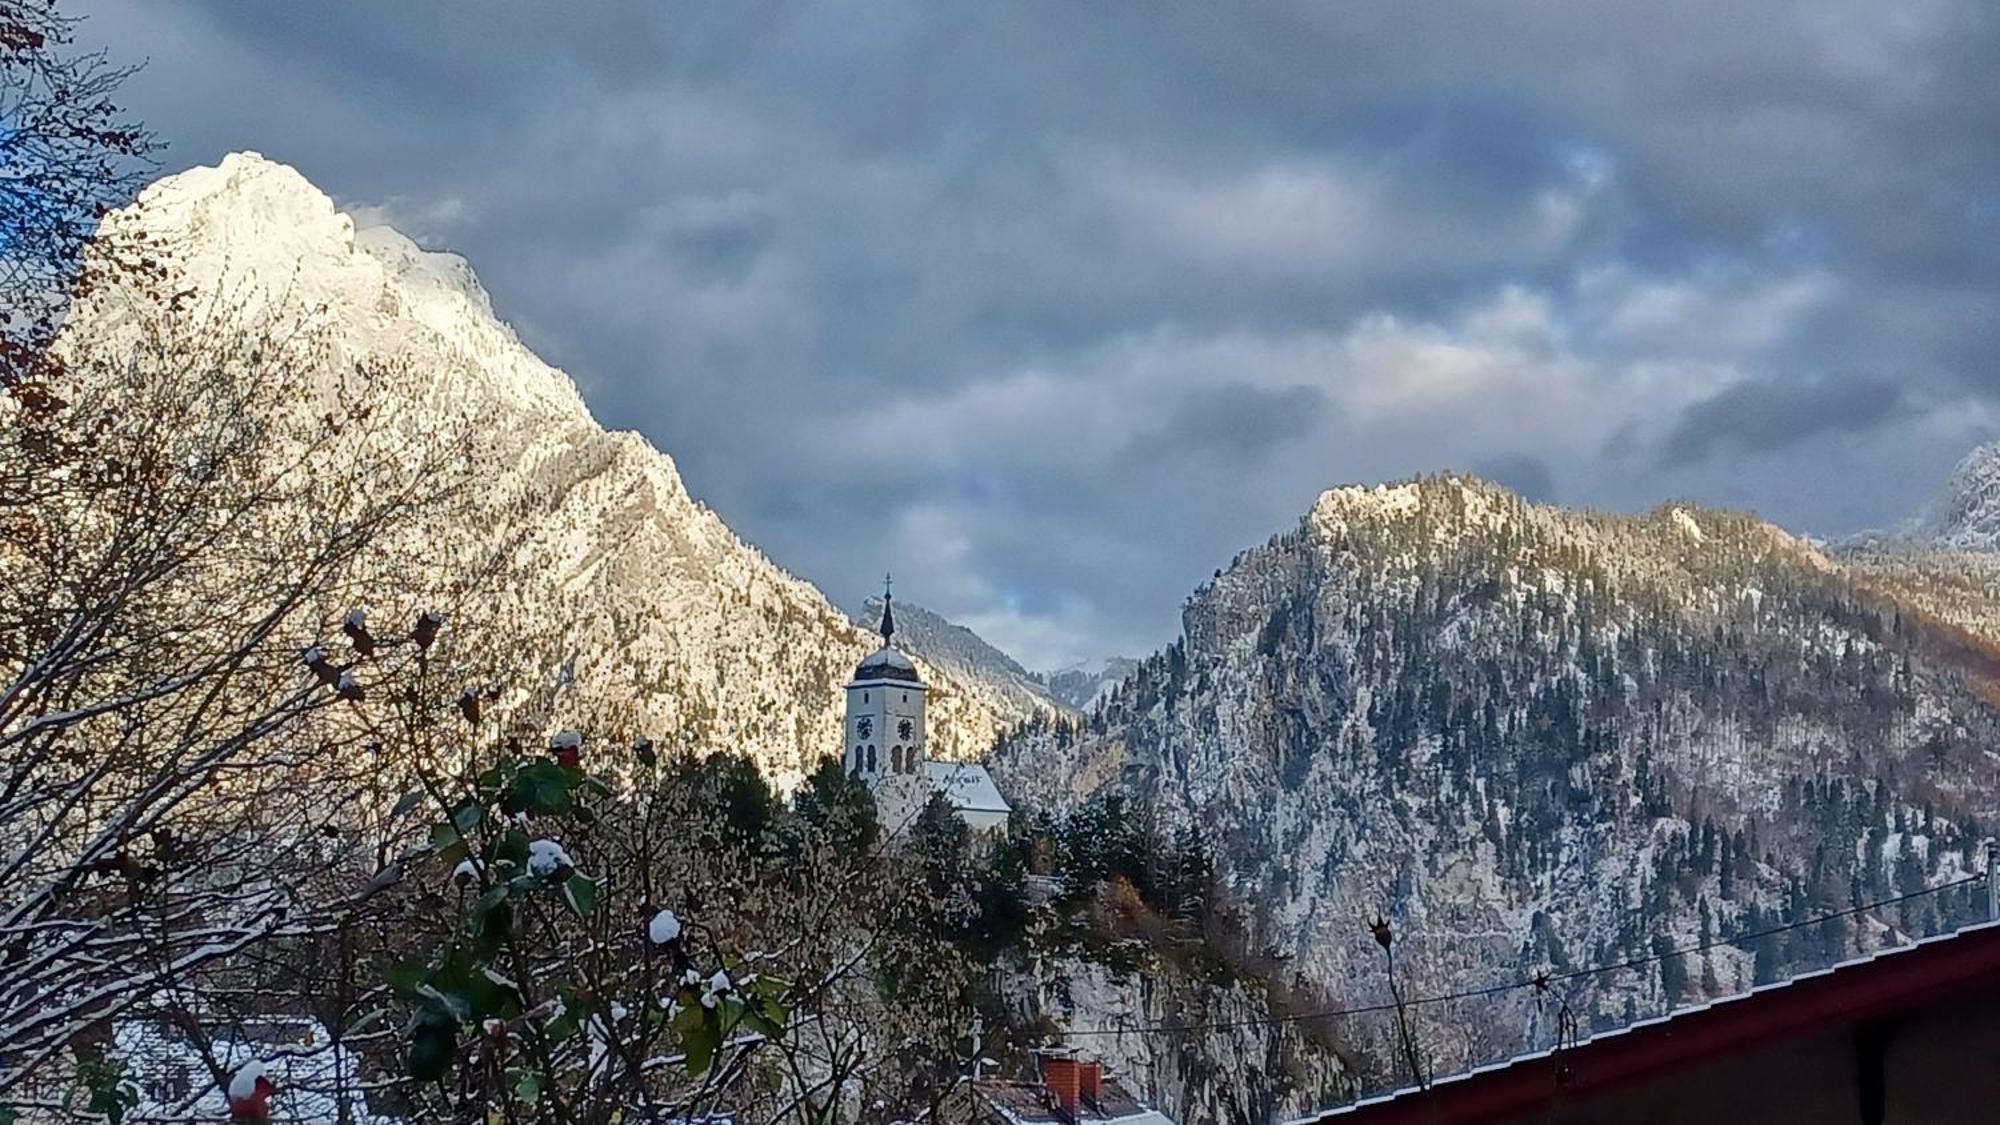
1965 515
1530 738
1085 686
1231 1066
652 607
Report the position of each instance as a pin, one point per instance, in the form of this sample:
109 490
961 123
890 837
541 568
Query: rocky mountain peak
657 609
1965 516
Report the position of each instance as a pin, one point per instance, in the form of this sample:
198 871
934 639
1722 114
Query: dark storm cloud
754 231
1771 416
1234 423
1529 476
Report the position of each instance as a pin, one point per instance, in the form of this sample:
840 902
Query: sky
1052 308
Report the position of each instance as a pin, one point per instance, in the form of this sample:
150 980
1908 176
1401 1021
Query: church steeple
885 709
888 610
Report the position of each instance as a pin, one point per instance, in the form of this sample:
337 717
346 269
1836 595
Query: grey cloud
1529 476
1761 417
1236 423
742 227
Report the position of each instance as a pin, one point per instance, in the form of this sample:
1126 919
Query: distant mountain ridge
951 645
1963 515
668 618
1084 686
963 653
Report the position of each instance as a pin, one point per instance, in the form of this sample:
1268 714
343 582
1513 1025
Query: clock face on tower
904 728
864 726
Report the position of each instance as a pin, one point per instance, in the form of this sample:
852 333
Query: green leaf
701 1047
407 803
542 787
729 1013
492 920
688 1020
773 1011
491 996
756 1022
580 891
433 1045
527 1085
491 782
467 815
403 977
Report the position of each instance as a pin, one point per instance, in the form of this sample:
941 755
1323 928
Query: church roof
886 663
966 785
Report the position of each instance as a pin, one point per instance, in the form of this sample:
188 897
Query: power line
1539 981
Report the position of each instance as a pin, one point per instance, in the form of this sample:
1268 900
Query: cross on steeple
888 612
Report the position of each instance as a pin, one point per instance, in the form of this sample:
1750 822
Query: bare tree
67 156
184 767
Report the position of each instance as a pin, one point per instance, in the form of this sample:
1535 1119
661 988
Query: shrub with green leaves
560 991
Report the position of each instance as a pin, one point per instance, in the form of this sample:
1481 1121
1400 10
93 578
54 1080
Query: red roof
1885 983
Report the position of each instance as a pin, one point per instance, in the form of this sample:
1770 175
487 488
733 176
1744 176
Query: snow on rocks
1687 525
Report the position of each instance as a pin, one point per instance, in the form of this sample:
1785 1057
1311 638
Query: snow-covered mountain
1534 738
1084 686
659 608
1965 515
958 649
963 653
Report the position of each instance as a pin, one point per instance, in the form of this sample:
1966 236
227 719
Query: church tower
885 713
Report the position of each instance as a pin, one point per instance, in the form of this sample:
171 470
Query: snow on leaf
546 857
663 928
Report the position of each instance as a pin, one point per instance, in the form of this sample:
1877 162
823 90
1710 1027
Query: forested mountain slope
1533 738
963 654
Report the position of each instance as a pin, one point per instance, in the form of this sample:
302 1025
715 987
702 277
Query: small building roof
967 786
1847 994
